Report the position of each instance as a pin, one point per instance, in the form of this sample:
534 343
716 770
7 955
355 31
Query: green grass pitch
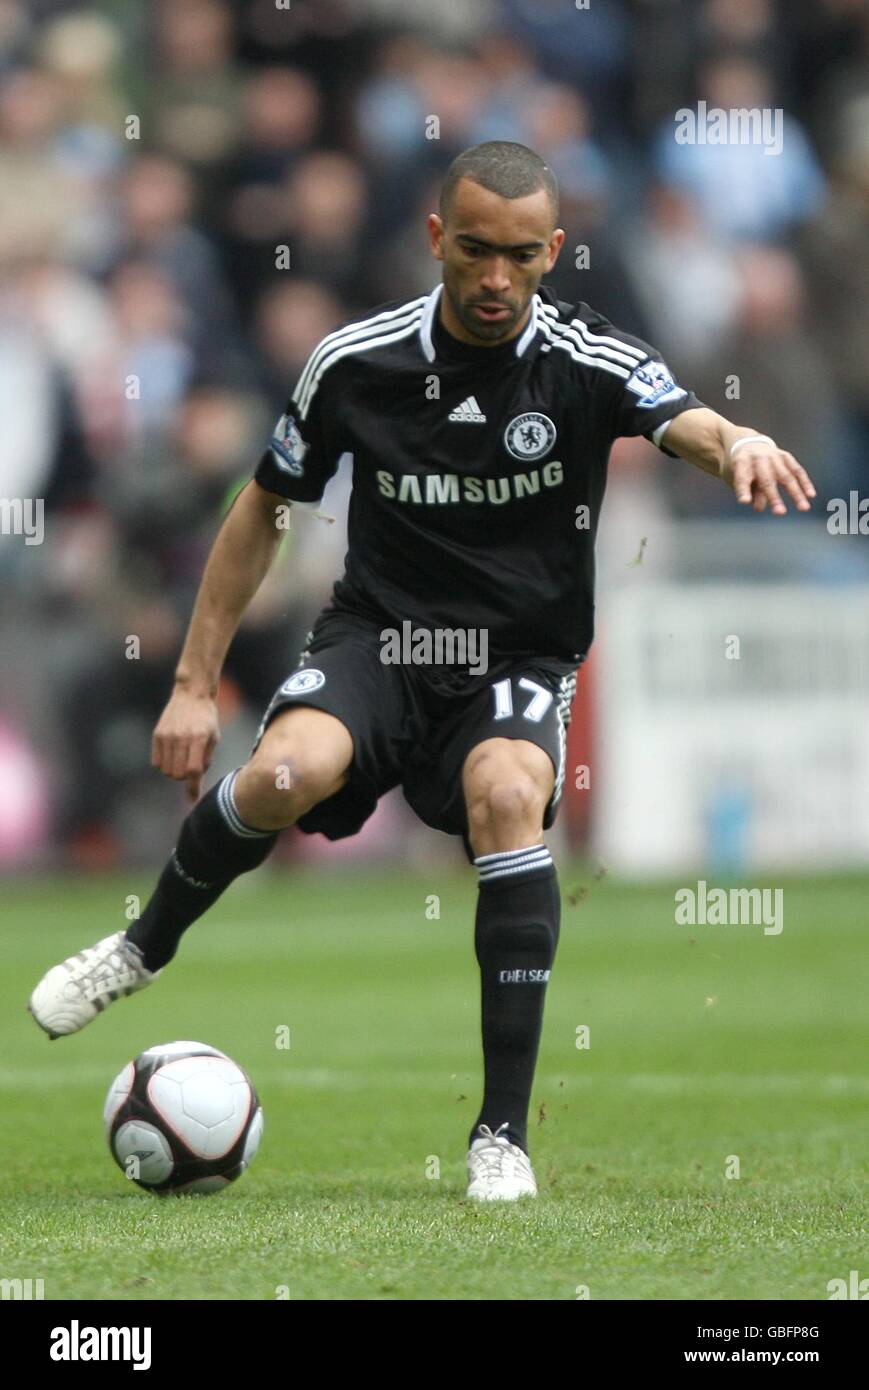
705 1043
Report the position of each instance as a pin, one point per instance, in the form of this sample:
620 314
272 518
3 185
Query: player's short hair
504 167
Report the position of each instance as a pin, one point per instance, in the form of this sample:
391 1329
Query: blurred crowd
193 192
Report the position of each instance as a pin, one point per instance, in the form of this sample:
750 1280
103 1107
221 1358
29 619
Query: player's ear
436 234
556 241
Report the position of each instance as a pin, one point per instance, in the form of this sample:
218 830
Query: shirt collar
431 308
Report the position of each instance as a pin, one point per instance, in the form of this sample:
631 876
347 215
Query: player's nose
496 280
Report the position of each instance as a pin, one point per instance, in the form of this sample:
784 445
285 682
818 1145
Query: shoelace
89 974
496 1154
485 1132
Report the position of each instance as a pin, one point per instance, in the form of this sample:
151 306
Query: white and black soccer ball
183 1118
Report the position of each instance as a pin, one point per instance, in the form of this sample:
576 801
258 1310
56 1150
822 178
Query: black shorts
414 726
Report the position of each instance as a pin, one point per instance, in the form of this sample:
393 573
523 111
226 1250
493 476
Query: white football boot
498 1170
73 993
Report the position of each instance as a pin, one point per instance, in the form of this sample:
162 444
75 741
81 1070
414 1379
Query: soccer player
480 419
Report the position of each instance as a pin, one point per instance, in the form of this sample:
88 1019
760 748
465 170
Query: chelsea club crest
303 682
529 436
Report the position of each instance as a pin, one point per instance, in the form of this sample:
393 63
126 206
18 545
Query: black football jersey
478 472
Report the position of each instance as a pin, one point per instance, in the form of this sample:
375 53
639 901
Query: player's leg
508 785
302 758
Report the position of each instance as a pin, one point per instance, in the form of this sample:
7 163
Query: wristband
752 439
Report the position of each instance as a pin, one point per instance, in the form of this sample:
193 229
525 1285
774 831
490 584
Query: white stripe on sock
229 811
522 861
517 869
506 853
513 861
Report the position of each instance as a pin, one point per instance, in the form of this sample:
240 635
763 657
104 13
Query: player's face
495 252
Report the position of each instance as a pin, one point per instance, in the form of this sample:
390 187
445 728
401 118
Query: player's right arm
188 729
301 456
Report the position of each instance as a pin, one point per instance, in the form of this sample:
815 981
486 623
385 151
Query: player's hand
185 738
760 472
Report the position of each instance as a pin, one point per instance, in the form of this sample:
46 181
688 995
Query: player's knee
505 803
280 784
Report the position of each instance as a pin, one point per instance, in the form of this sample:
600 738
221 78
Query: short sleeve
303 451
650 398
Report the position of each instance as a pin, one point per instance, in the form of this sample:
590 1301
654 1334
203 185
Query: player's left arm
749 462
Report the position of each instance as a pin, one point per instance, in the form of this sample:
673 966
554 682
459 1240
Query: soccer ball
183 1117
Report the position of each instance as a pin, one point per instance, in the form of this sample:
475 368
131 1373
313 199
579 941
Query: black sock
214 847
518 919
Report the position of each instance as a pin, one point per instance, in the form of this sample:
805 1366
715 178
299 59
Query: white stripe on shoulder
372 338
352 330
638 354
596 340
568 346
595 350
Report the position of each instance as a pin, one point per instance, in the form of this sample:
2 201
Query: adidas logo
468 413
